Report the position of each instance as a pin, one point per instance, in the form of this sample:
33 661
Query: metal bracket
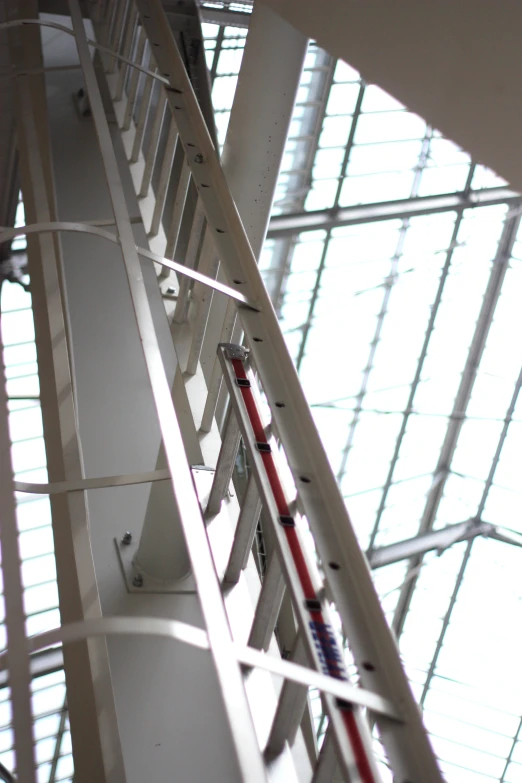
138 582
127 544
233 351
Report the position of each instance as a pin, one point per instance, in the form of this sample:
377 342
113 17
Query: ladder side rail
349 726
371 640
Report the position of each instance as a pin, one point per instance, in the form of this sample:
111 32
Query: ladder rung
290 707
191 258
208 265
126 50
133 81
245 532
225 466
177 211
152 149
326 766
214 387
164 178
143 114
268 606
117 28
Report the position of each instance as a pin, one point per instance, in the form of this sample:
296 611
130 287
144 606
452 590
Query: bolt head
126 538
138 581
198 158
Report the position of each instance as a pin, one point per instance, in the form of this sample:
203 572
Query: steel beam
438 540
420 365
327 219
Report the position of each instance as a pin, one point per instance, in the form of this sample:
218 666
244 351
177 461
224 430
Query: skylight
405 332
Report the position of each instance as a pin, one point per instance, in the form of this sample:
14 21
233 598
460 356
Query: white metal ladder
130 30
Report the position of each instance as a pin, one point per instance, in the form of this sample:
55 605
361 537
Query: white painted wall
457 64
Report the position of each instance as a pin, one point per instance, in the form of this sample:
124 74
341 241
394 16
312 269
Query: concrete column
261 113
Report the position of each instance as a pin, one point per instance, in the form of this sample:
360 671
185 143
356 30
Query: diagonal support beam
428 542
506 536
469 374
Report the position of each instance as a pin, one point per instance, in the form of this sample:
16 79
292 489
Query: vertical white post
255 142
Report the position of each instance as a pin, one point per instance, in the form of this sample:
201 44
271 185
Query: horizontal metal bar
434 540
288 225
196 637
105 49
181 269
57 487
6 235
